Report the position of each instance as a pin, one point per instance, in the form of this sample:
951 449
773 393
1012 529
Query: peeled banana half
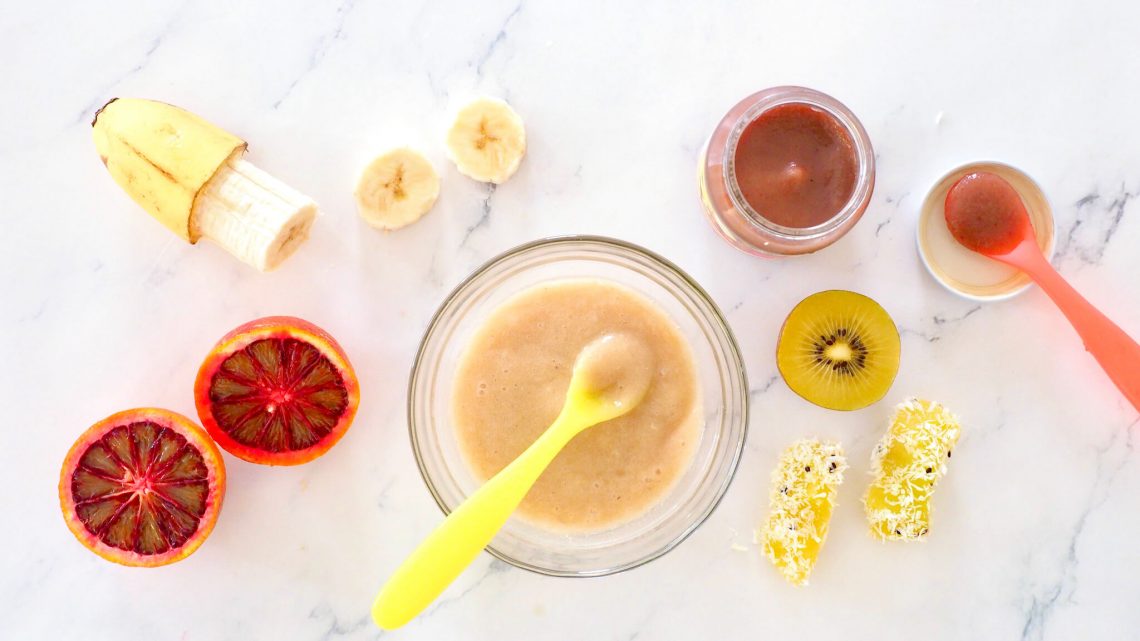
487 141
189 174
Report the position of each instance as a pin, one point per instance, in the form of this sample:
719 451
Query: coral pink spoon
985 213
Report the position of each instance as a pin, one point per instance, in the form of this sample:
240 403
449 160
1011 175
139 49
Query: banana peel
162 156
190 176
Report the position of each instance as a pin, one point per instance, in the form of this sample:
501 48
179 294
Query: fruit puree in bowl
512 382
622 493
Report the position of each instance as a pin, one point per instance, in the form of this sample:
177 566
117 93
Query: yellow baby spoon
611 376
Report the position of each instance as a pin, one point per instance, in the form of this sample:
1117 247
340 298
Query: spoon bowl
611 376
986 214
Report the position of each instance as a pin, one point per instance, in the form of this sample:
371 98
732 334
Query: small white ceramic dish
962 271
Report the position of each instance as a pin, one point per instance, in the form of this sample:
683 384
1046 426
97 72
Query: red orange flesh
277 390
142 487
986 214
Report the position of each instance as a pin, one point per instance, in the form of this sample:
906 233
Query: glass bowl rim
733 358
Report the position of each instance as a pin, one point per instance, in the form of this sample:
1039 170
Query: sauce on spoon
986 214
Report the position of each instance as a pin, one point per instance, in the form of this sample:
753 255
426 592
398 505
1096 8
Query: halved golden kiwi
839 350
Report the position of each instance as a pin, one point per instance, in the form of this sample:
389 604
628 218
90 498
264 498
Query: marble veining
1034 531
1098 217
323 43
1059 587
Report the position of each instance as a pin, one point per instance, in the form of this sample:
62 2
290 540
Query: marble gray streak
644 621
494 568
939 323
940 319
320 49
87 113
338 629
497 40
1098 217
484 217
382 498
756 392
880 226
1055 592
929 337
36 314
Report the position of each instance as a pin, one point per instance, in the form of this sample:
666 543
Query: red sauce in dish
986 214
796 165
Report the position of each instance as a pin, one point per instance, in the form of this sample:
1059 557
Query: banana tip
98 111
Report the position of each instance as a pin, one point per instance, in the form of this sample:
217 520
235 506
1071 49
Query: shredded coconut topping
804 485
907 464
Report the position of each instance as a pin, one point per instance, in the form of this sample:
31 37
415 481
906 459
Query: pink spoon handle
1116 352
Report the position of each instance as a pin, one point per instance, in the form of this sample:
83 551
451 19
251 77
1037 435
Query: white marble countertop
103 309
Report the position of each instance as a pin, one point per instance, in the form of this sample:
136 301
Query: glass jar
737 221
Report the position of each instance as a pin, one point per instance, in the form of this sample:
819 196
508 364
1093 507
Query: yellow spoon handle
452 546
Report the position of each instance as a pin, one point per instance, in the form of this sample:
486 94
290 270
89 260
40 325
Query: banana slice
487 141
396 189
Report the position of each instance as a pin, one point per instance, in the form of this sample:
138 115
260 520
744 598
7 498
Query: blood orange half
277 390
142 487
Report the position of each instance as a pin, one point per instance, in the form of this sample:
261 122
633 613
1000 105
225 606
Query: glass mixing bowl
720 370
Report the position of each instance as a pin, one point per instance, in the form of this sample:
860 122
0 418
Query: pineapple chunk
804 485
907 463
